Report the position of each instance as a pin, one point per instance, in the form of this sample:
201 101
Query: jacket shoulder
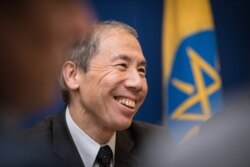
139 128
152 143
145 126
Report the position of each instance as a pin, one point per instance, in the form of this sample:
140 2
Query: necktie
104 156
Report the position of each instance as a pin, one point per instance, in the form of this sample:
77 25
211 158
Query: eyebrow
128 59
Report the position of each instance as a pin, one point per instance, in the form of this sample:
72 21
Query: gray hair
86 47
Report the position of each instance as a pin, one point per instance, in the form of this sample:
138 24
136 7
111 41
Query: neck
90 126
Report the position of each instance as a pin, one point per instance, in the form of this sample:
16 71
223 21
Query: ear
71 75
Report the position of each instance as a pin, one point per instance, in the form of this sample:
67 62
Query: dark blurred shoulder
41 131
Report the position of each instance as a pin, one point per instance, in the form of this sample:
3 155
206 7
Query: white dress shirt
86 146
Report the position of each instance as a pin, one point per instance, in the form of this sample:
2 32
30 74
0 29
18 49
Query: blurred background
232 25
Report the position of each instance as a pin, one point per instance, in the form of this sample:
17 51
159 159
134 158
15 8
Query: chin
123 124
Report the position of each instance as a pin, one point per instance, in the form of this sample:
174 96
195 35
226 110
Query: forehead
120 42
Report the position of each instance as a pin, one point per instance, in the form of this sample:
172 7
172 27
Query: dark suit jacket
140 145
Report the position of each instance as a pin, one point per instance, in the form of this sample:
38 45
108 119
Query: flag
191 81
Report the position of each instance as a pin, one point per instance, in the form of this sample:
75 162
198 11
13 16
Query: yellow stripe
182 18
183 86
201 87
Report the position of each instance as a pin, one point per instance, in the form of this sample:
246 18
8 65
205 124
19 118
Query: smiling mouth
126 102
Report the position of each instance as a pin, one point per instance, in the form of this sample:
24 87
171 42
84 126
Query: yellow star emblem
202 94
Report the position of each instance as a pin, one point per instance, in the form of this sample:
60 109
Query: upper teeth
127 102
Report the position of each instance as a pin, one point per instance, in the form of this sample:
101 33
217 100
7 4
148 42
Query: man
104 84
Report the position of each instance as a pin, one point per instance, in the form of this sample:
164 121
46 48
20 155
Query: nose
134 81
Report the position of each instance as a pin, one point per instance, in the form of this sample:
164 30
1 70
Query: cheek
108 81
145 88
94 93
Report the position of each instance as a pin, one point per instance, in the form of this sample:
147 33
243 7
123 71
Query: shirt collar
86 146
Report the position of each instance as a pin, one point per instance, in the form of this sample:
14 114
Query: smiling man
104 84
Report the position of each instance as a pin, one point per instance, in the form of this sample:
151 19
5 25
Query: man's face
115 86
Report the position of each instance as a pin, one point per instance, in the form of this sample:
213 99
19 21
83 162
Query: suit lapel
124 150
63 144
